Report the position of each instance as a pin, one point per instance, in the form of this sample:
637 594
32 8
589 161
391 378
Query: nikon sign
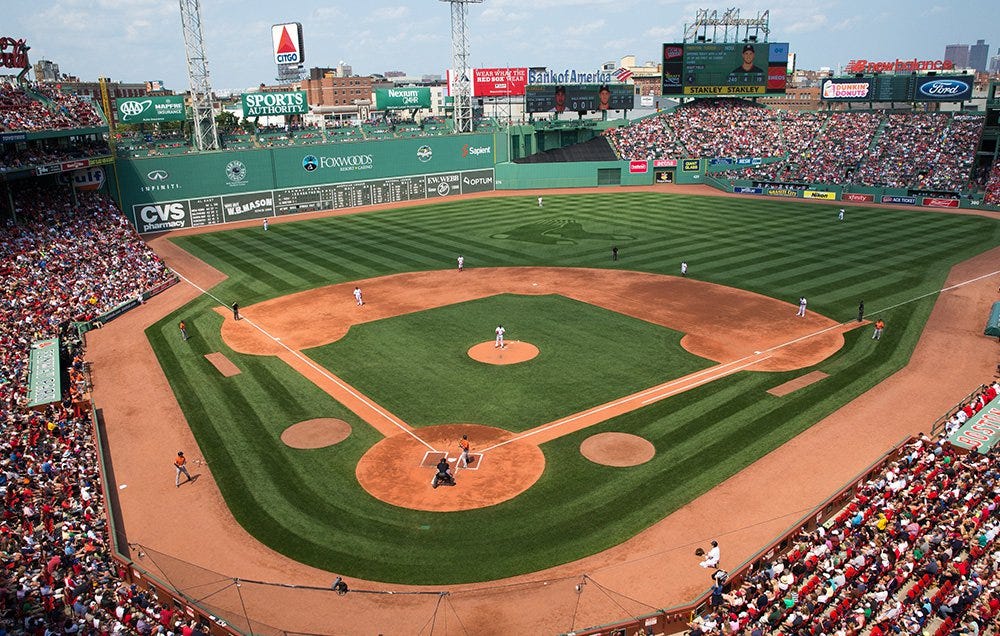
286 103
143 110
402 98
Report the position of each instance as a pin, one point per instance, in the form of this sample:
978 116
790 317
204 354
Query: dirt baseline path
655 567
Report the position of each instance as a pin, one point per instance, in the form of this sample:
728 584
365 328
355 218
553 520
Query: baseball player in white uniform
802 306
500 332
684 268
840 215
357 296
539 201
461 263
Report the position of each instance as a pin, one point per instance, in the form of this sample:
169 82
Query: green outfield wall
522 176
165 193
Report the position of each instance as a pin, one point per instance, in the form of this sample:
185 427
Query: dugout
993 322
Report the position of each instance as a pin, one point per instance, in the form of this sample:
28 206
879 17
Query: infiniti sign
158 175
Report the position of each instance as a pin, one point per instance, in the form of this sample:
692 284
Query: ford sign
945 89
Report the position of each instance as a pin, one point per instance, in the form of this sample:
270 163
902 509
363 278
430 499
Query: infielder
179 464
357 296
500 332
802 307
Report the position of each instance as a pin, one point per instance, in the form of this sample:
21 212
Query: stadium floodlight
461 84
206 137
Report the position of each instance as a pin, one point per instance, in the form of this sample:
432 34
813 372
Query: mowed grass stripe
701 436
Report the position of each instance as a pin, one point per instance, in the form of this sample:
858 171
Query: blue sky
138 40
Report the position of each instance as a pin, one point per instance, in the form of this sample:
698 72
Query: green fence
518 176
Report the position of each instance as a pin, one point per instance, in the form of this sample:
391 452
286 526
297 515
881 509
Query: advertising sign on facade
638 167
283 103
13 53
499 82
144 110
899 200
857 197
402 98
933 202
954 88
816 194
286 43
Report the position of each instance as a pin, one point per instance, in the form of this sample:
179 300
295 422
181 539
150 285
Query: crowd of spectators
703 128
63 262
21 111
40 153
992 196
922 150
932 151
913 552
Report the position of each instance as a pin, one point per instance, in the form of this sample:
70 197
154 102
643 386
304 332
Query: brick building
337 93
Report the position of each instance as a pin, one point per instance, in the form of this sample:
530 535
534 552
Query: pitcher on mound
500 332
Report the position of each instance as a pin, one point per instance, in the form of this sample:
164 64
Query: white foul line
323 372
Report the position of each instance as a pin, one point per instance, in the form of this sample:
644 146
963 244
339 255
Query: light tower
461 85
205 135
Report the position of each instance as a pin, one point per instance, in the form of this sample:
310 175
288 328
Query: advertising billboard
283 103
498 82
144 110
287 44
558 98
724 68
952 88
402 98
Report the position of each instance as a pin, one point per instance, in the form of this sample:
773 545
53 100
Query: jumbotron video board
724 68
558 98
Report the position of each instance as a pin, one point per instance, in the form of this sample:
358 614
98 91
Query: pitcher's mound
513 352
617 449
399 469
317 433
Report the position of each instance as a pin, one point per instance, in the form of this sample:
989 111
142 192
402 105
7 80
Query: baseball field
634 415
607 331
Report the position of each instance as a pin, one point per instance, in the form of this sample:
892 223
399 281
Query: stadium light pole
206 137
460 63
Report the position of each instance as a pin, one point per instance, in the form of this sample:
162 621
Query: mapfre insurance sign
286 41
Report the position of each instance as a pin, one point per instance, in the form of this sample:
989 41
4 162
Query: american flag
622 74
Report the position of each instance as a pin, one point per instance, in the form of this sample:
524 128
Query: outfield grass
308 505
587 356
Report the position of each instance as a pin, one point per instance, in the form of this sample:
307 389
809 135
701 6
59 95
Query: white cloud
388 13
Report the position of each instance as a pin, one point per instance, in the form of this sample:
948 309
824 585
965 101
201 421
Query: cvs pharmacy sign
158 217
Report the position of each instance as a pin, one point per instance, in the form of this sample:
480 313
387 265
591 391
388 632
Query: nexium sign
286 103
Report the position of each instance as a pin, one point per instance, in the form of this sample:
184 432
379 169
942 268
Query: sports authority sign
284 103
287 45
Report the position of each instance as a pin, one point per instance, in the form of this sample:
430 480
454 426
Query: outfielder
461 263
802 307
500 331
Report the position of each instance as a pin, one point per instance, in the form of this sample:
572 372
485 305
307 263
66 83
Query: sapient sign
284 103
